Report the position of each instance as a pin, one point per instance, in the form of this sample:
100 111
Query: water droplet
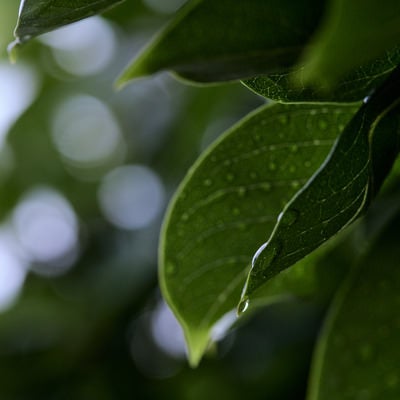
241 191
322 124
170 269
365 351
316 142
227 163
307 164
207 182
294 148
292 169
236 211
295 184
266 186
392 380
289 217
230 177
272 166
184 216
253 175
366 99
264 257
243 306
283 119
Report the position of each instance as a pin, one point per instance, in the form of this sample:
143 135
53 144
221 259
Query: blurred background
85 176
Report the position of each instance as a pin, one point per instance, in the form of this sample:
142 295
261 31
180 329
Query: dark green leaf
354 86
224 40
40 16
358 352
227 202
341 189
354 32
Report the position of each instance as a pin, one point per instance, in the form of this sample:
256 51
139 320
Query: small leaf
341 189
227 202
224 40
40 16
358 352
354 32
356 85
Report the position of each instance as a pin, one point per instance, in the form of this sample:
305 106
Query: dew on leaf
288 218
170 269
207 182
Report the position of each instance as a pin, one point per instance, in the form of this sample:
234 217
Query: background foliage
86 174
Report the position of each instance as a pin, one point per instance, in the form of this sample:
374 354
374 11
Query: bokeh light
86 133
19 85
83 48
131 197
47 229
13 268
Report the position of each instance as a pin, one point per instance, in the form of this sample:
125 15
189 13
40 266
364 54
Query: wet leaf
227 202
40 16
227 39
354 86
340 191
358 352
354 32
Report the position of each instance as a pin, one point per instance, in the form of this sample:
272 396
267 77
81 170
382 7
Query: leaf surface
40 16
354 86
340 191
227 202
353 32
224 40
358 352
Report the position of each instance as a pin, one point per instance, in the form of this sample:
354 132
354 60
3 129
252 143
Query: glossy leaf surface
40 16
354 32
225 40
354 86
227 202
340 191
358 352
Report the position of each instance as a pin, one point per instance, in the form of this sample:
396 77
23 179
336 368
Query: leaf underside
340 191
211 41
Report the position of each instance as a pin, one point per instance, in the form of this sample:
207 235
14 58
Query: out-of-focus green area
85 177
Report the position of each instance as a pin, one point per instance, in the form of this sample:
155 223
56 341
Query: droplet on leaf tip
243 306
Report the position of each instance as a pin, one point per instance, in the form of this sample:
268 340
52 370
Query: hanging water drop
243 306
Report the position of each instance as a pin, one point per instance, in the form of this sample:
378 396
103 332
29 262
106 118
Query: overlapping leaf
358 352
352 87
340 191
227 203
40 16
354 32
223 40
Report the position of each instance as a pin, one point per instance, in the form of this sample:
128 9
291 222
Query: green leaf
354 32
228 200
224 40
40 16
358 351
340 191
354 86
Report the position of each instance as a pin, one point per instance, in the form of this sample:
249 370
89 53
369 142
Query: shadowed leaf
227 202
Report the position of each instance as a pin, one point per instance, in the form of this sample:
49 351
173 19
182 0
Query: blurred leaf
227 39
354 32
340 191
358 352
227 202
354 86
40 16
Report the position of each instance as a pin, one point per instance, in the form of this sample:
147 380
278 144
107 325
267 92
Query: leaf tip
197 343
12 50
